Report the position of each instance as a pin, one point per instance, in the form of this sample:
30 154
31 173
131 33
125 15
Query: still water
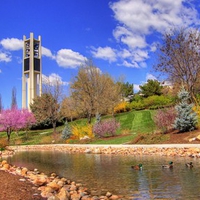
102 173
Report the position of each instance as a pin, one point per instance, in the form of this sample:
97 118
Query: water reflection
102 173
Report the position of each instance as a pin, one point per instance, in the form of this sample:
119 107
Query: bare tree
69 108
92 90
179 58
47 107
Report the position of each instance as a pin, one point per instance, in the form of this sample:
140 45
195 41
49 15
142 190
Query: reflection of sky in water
102 173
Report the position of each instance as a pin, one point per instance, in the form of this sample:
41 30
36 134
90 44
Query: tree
186 119
14 99
164 119
69 108
127 89
94 91
152 87
66 133
15 119
179 59
46 108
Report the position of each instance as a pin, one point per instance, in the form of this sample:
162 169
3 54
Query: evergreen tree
186 119
66 133
152 87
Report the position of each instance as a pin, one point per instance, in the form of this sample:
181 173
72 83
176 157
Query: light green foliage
152 102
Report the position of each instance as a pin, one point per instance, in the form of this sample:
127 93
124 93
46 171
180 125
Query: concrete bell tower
32 70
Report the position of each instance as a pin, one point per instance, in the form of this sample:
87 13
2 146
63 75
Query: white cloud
140 20
150 77
53 79
5 57
141 16
47 52
125 53
69 59
0 71
136 87
12 44
140 55
105 53
130 64
129 38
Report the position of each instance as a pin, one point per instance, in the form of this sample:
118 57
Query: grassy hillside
132 124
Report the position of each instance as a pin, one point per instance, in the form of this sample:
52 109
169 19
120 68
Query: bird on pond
189 165
170 165
137 167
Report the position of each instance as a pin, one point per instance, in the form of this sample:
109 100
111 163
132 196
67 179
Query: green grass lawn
132 124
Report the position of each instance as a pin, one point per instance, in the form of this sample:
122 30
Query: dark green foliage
66 133
186 118
152 87
127 89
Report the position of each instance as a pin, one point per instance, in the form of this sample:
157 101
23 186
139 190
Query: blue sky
119 36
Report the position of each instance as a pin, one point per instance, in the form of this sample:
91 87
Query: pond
113 173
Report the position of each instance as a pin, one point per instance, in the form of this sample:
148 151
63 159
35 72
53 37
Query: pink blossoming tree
15 119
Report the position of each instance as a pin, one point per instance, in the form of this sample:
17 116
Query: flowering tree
164 119
15 119
106 128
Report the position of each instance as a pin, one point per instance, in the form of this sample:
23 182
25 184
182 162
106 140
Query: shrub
3 143
154 102
137 105
106 128
121 107
164 119
66 133
196 109
79 131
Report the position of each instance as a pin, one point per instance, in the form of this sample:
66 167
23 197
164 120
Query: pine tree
66 133
186 119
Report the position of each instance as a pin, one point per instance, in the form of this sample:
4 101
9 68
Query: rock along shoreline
55 188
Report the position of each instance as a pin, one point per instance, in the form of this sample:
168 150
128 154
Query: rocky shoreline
55 188
180 150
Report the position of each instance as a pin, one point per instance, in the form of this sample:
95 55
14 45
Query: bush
79 131
137 105
164 119
106 128
154 102
121 107
196 109
3 143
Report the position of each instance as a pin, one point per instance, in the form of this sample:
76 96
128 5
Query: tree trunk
89 118
54 126
8 133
